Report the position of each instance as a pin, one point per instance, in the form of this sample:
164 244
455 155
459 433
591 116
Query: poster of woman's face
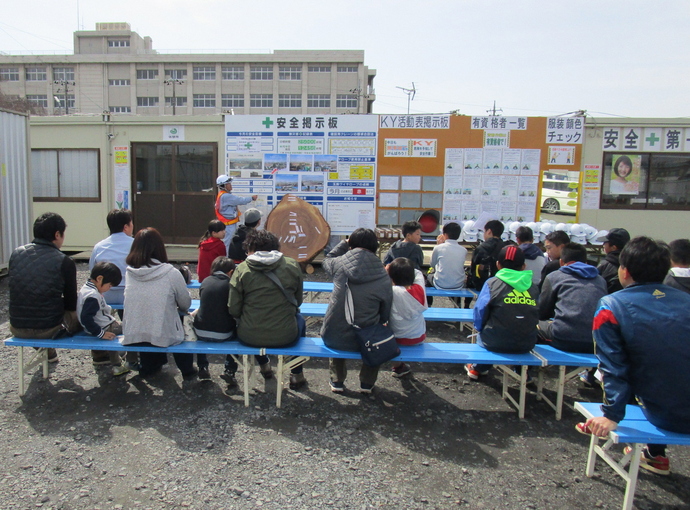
625 177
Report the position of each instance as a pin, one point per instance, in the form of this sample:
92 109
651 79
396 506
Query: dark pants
152 362
230 363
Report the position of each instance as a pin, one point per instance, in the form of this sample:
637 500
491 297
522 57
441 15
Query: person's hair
363 238
511 257
147 245
452 230
558 237
47 224
496 228
109 271
622 159
222 264
647 260
213 226
401 271
118 219
573 252
260 240
680 251
410 227
524 235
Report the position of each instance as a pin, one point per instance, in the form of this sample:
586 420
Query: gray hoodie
372 294
155 297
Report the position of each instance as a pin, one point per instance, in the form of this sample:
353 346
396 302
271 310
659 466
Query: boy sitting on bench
641 335
506 313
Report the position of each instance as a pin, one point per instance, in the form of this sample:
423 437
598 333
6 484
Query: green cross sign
248 145
267 122
652 139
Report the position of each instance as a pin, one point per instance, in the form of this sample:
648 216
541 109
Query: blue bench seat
635 429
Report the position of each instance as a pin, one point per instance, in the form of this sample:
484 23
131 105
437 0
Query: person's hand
109 335
441 238
601 426
254 197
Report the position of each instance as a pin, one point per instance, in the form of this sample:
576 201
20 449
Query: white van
559 196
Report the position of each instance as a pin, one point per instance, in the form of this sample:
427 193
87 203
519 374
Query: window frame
115 82
146 74
290 73
179 101
175 74
71 101
35 73
253 98
261 73
148 99
63 73
114 109
230 98
294 100
315 100
319 68
118 43
59 198
348 69
9 74
232 73
210 98
204 73
35 98
345 99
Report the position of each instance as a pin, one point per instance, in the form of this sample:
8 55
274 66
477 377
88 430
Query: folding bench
553 356
635 429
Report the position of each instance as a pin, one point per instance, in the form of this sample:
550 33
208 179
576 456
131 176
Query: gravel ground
85 440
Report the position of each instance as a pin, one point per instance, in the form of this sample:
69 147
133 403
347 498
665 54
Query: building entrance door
173 185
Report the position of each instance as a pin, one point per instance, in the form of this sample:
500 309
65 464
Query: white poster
591 187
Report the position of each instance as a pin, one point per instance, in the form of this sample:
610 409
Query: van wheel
551 205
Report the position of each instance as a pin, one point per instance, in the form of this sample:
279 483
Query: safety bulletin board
465 166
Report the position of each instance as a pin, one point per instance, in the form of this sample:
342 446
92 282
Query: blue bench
431 314
635 429
288 357
430 291
562 359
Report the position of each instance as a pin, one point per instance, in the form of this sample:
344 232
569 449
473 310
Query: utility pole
359 94
494 111
65 84
173 82
410 95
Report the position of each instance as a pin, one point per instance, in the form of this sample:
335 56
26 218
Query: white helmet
223 180
577 230
469 232
546 228
601 237
591 235
565 227
505 236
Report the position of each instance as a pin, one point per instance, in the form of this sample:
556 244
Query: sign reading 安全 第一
648 139
327 160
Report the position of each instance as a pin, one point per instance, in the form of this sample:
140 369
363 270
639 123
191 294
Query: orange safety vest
223 218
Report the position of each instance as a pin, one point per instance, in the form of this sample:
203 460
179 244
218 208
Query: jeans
152 362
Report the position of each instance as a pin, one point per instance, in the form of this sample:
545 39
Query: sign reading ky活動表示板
327 160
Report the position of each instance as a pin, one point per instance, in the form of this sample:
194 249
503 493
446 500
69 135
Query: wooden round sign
302 230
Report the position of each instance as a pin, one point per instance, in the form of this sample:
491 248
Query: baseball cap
618 237
223 179
252 215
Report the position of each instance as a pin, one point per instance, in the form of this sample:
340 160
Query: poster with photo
625 175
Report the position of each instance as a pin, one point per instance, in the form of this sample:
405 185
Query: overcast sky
533 57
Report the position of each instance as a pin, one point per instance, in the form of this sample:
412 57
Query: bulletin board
463 166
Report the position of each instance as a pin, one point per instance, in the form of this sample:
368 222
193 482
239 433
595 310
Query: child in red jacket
210 246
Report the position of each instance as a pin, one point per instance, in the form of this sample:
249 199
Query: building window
205 73
290 73
233 72
204 101
147 74
38 99
319 69
290 101
118 83
346 101
178 101
118 43
59 101
70 175
646 181
36 74
147 101
63 73
232 101
347 69
9 74
261 101
261 73
120 109
318 101
176 74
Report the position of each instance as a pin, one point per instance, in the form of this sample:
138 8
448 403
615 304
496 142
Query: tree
20 104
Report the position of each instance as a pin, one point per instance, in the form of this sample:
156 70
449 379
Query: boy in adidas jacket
506 314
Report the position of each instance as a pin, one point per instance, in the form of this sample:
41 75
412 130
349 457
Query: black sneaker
401 371
337 387
229 378
204 374
366 389
297 381
52 355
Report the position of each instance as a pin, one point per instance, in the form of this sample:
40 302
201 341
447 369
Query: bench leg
522 380
559 394
630 476
40 357
21 371
284 368
246 368
592 455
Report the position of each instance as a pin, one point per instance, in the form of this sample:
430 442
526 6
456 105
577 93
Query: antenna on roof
410 95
